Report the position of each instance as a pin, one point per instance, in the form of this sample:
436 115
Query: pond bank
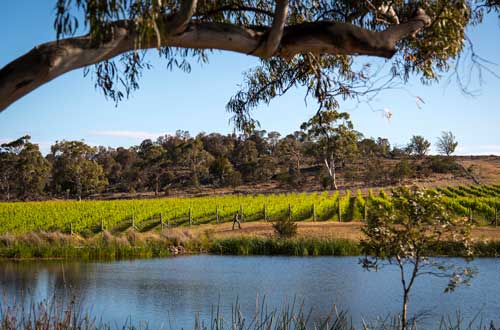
131 244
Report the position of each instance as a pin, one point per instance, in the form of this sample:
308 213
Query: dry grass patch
322 230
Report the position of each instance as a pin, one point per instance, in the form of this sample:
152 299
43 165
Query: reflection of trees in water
23 282
15 280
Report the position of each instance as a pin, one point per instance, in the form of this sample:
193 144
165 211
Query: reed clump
105 245
132 244
292 247
52 314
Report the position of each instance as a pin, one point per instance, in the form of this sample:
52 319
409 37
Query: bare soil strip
332 230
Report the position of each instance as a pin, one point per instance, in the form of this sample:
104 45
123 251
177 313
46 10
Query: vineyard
480 203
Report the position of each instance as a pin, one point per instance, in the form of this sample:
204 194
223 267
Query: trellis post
241 213
102 225
340 211
217 213
365 215
289 211
265 212
314 212
190 217
161 221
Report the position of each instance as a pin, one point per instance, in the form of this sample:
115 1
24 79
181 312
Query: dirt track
346 230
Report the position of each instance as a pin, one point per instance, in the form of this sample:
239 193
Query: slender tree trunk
407 289
79 188
334 176
330 167
404 312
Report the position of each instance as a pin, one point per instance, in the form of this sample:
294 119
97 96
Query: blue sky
70 108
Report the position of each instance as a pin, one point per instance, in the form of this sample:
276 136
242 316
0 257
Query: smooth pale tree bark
332 171
50 60
272 42
180 21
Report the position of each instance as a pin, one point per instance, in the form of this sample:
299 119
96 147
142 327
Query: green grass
103 247
135 245
326 247
290 247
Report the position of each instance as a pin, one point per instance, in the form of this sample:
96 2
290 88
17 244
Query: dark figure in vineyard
236 219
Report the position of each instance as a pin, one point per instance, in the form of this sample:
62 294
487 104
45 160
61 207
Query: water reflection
174 290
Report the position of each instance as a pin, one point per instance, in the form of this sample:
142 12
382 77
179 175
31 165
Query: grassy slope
486 168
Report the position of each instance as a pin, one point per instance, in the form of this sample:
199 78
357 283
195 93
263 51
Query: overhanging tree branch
180 21
50 60
273 39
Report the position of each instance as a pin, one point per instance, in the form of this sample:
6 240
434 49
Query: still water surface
170 292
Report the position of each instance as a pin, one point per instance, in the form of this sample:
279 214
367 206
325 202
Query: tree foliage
418 146
407 232
181 162
446 143
75 169
334 138
310 44
24 171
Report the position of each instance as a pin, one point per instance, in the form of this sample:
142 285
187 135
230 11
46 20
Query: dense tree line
74 169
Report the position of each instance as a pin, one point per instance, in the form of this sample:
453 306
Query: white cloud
128 134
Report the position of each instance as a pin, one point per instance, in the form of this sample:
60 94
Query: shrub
376 173
439 164
326 181
233 179
402 170
285 228
290 178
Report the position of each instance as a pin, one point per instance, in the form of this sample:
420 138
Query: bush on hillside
440 164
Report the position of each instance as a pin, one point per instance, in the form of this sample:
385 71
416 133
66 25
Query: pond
171 291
